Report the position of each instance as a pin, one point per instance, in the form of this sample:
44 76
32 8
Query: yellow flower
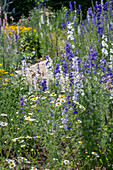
34 30
26 47
2 70
33 48
4 83
6 80
0 64
11 74
5 72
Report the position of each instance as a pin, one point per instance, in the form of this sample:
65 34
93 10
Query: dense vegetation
58 115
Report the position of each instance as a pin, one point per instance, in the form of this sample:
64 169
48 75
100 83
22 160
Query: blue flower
44 86
69 128
71 7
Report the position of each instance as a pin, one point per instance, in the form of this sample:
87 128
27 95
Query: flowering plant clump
61 118
15 29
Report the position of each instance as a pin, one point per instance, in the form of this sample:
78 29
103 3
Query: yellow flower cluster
16 29
2 71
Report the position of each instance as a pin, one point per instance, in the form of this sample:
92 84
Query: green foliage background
85 4
22 7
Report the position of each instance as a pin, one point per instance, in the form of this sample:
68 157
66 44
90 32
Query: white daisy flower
79 121
37 136
3 114
75 102
11 166
21 141
28 118
3 123
15 139
68 137
24 159
94 153
62 101
30 114
44 97
80 142
28 137
58 104
20 137
33 168
20 160
81 107
66 162
61 127
52 94
10 161
46 92
33 106
52 102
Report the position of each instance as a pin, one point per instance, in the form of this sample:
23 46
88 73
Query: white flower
55 159
30 114
104 44
75 102
42 19
52 94
46 92
11 166
73 46
24 159
70 37
33 168
70 32
104 51
37 136
62 101
81 107
43 97
61 127
20 160
58 104
20 137
28 118
79 30
21 141
10 161
68 137
79 121
52 102
111 57
66 161
80 142
94 153
33 106
3 114
3 123
28 137
15 139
